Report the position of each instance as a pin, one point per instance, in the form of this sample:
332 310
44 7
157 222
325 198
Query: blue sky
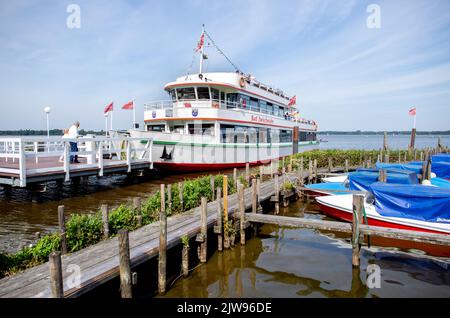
346 75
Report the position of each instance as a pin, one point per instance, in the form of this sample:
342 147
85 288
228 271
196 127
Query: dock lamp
47 112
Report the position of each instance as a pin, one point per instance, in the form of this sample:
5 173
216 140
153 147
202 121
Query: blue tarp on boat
328 186
425 203
410 167
441 157
439 182
441 169
361 180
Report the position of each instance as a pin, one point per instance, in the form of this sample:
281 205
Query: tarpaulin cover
440 168
361 180
411 167
425 203
439 182
441 157
330 186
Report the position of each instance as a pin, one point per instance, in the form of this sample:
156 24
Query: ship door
295 141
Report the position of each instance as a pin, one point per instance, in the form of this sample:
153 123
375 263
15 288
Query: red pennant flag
293 101
412 111
200 43
108 108
129 105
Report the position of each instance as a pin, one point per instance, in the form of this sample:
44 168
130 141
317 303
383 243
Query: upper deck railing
219 104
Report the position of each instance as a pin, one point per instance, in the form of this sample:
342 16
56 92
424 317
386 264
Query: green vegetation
185 241
83 230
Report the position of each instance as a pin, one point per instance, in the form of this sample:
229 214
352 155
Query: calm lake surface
280 262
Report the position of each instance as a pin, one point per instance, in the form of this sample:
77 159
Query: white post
100 158
414 122
48 127
129 155
111 121
22 165
106 124
134 113
201 52
66 160
150 148
36 150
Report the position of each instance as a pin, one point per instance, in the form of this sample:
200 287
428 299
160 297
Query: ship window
270 108
232 99
215 94
186 93
254 104
275 135
173 95
156 128
252 135
222 96
203 93
201 129
285 136
263 105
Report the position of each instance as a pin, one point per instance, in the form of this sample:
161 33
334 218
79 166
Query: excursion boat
219 120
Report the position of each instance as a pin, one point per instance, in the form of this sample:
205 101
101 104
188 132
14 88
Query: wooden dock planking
99 263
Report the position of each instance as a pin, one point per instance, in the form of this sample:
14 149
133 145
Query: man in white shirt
73 134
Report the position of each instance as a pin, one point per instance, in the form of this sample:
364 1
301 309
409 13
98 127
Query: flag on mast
200 42
293 101
109 108
130 105
412 111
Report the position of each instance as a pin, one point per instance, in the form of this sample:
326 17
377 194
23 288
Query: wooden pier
108 259
26 160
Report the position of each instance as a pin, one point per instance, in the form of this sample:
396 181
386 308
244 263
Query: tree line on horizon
53 132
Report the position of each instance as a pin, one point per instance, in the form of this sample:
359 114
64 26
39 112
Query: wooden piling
137 205
56 279
235 179
203 229
310 171
261 172
124 264
386 158
315 170
212 184
358 203
385 143
218 229
382 176
226 239
399 156
62 229
241 213
180 194
162 259
346 165
247 172
185 261
105 221
169 197
330 164
254 196
277 195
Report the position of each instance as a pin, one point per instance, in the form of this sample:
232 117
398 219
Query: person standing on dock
73 134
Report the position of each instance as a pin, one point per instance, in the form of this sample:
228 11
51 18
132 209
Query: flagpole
106 124
201 51
414 122
111 121
134 114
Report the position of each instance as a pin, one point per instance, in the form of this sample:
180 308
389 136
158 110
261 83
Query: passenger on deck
73 134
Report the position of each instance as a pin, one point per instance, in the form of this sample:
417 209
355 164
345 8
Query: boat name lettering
259 119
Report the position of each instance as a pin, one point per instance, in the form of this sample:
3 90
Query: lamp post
47 112
106 124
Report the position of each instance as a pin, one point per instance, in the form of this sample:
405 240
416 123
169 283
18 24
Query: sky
346 74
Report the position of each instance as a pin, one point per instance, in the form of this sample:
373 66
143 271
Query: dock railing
21 157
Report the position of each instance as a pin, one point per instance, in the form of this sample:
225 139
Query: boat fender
426 182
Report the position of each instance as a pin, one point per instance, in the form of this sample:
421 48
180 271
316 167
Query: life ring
242 82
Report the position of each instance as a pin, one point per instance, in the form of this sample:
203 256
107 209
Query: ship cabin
227 108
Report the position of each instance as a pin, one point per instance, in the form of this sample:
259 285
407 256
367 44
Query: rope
221 52
367 223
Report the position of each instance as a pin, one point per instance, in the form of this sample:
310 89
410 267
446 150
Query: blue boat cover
411 167
439 182
441 157
425 203
361 180
441 169
328 186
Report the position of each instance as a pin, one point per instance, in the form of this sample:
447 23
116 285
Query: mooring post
382 176
185 261
162 259
56 279
242 213
254 196
180 194
203 230
277 195
137 205
310 171
247 172
212 184
235 179
330 164
315 170
405 157
261 172
385 143
399 156
421 156
218 229
124 264
272 170
290 164
386 157
105 221
62 229
169 198
358 203
226 240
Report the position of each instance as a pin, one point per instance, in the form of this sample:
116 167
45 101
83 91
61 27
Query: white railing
15 151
